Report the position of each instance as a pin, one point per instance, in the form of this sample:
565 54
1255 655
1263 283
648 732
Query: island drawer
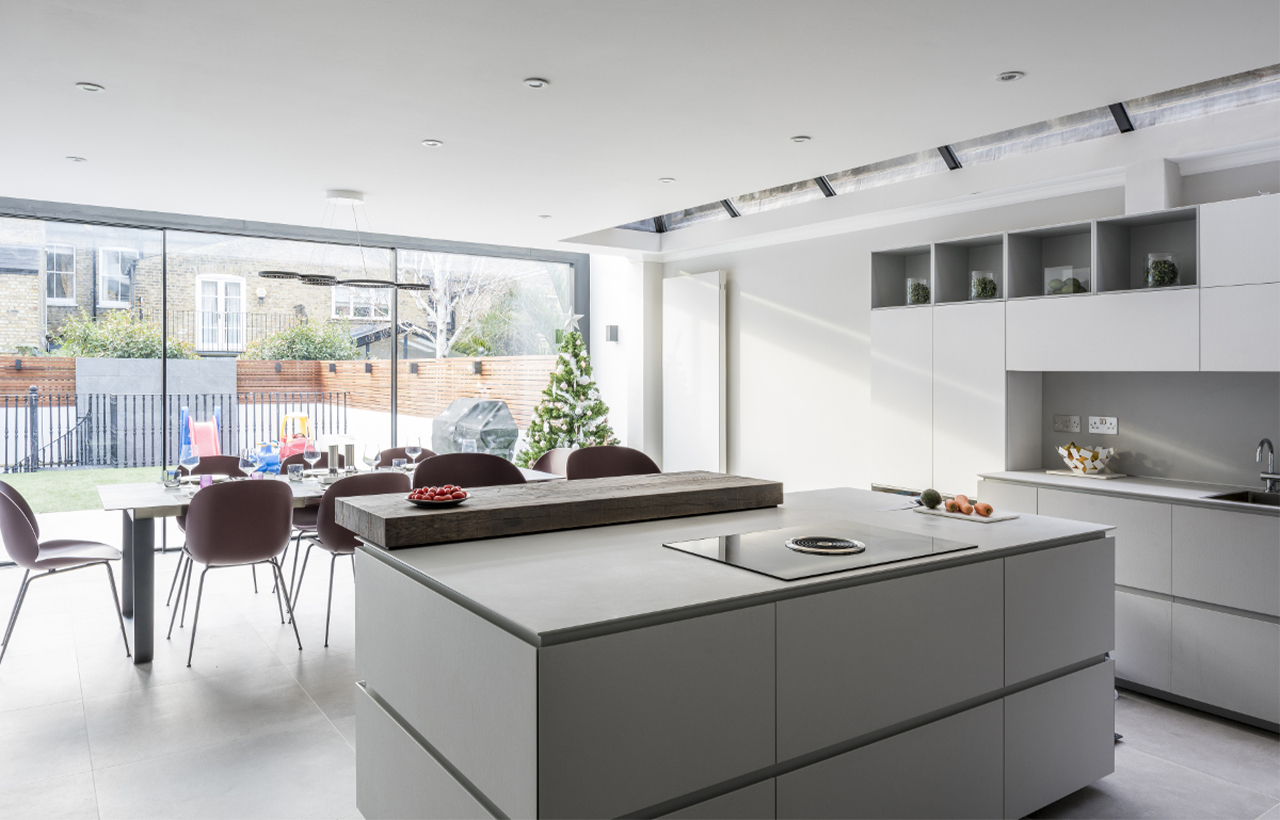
1143 533
1227 558
754 802
856 660
953 767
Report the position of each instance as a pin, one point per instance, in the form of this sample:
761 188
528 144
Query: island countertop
552 587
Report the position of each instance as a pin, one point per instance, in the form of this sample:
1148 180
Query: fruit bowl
422 502
448 495
1086 460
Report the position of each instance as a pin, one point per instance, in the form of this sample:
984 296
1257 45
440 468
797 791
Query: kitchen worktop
553 587
1187 493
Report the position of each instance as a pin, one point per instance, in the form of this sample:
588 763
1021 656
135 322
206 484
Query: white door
693 373
220 313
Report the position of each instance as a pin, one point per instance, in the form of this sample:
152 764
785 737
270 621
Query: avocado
1055 285
931 499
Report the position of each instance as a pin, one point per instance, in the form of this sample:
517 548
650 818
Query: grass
65 490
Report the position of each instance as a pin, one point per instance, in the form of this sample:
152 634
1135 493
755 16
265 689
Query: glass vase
918 290
1162 270
982 285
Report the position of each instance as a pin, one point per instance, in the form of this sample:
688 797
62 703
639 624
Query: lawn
63 490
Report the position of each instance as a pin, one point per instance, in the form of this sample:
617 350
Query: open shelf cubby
890 270
1031 253
1124 242
954 261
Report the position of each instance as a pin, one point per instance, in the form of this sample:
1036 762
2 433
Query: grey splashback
1186 426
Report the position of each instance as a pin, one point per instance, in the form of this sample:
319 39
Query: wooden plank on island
391 522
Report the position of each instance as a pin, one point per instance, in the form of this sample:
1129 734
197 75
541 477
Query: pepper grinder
333 459
350 455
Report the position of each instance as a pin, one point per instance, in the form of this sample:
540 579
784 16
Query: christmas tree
571 413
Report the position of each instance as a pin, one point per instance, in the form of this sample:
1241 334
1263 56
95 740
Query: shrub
118 334
306 341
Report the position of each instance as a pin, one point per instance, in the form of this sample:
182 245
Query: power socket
1066 424
1104 425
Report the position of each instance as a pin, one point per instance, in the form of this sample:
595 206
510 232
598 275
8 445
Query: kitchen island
597 673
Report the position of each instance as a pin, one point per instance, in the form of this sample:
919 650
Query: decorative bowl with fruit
449 495
1086 460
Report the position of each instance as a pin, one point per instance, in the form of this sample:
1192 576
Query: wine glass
310 453
413 449
372 453
248 461
189 458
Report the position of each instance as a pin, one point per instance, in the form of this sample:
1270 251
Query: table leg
144 595
126 571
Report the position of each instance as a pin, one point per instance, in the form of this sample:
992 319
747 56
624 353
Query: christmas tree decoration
571 413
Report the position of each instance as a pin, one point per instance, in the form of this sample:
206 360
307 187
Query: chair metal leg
292 620
177 571
333 563
254 570
293 574
297 588
276 590
186 596
186 567
195 619
13 617
111 579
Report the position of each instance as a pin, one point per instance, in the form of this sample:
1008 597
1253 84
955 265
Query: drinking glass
413 449
170 478
398 464
371 454
248 461
295 472
310 453
189 457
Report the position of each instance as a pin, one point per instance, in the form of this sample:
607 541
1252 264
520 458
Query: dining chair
237 524
321 464
606 461
466 470
555 460
21 534
338 540
391 453
304 518
209 465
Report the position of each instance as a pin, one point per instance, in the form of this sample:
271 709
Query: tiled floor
257 729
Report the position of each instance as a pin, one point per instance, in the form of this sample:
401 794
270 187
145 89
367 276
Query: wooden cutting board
391 522
991 519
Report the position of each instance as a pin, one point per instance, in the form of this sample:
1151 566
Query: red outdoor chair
555 460
603 462
340 540
21 535
466 470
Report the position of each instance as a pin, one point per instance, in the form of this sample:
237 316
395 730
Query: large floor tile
144 724
38 679
1272 814
70 797
41 743
330 682
303 772
1236 753
1144 786
347 726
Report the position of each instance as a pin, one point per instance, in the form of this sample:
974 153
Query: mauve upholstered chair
209 465
340 540
237 524
391 453
21 533
603 462
466 470
304 518
555 460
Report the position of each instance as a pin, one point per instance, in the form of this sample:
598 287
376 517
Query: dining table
141 504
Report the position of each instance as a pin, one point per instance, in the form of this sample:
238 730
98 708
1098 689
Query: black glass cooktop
789 554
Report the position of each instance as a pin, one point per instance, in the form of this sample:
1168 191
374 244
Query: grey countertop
1144 489
559 586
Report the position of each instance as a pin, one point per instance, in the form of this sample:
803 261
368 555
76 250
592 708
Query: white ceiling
250 109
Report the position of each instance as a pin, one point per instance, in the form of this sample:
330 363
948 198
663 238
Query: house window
115 276
361 303
60 274
220 313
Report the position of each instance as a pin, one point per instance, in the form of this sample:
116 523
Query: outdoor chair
466 470
21 533
238 524
603 462
338 540
391 453
555 460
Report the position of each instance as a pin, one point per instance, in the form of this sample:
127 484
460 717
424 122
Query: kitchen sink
1250 497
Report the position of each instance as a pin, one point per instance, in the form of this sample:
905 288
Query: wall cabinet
968 394
1238 327
902 397
1240 241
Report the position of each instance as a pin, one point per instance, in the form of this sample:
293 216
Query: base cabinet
951 768
1143 634
1230 661
755 802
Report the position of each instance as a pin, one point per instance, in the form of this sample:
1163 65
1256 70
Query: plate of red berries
449 495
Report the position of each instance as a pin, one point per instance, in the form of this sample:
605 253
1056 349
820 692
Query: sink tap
1270 476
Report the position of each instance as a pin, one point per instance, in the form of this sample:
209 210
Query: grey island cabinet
596 673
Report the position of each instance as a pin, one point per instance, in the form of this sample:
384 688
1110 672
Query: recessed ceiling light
433 143
90 87
666 180
536 82
77 159
544 216
801 138
1009 76
342 196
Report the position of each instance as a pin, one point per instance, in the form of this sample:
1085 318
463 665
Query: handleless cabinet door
1143 533
968 394
902 397
1143 639
754 802
1226 660
1240 241
1238 328
1227 558
1007 496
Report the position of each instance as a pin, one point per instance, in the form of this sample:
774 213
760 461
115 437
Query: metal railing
42 431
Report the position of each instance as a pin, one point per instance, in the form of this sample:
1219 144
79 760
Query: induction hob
817 549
